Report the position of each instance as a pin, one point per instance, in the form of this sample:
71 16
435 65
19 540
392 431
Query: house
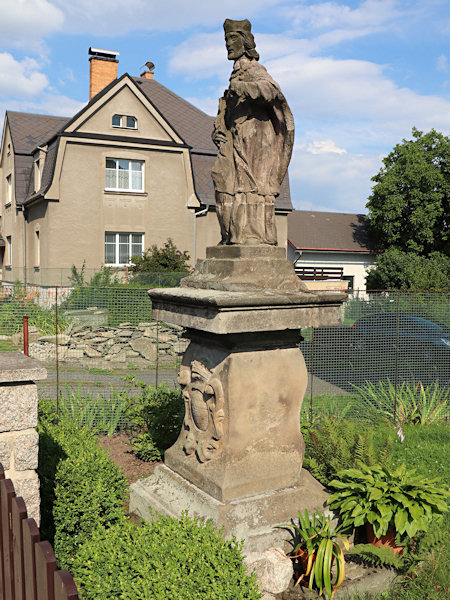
329 248
129 170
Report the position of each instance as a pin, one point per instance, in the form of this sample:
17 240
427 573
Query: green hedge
88 490
162 560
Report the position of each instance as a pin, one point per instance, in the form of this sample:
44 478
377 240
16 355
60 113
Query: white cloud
339 182
20 79
118 18
442 63
324 15
324 147
26 22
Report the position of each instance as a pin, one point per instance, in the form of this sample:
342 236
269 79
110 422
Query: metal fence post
25 336
312 377
396 356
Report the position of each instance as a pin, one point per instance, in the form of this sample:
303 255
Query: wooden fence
27 565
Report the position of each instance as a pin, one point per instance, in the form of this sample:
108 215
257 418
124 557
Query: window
120 247
37 175
37 249
124 175
125 121
9 242
9 190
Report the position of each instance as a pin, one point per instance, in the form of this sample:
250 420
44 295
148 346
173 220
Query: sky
357 74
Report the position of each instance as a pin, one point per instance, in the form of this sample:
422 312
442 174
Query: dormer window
124 121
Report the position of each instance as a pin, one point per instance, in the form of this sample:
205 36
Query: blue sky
357 74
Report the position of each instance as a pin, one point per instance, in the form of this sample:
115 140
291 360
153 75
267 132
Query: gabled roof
310 230
29 131
192 125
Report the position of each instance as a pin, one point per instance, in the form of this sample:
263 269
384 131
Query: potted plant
317 549
389 501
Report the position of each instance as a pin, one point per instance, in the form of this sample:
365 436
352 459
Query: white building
328 249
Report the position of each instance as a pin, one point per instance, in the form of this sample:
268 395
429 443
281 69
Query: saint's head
239 39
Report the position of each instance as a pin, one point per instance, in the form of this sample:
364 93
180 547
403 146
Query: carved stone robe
254 132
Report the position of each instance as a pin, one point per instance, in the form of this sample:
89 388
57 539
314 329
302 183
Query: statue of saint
254 133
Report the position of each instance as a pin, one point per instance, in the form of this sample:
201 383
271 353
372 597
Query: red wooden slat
45 571
65 588
19 513
30 537
7 494
2 578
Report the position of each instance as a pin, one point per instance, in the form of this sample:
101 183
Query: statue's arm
264 90
220 131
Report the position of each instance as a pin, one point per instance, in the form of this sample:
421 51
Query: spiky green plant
320 540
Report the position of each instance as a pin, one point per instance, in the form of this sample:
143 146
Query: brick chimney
103 69
148 73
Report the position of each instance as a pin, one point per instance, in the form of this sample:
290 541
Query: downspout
24 247
196 215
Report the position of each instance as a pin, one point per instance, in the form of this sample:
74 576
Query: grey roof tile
29 131
328 231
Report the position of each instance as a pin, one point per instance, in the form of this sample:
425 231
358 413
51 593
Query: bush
85 489
159 413
167 558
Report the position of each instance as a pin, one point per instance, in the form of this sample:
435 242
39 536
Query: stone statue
254 133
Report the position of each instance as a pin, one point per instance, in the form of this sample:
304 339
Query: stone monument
238 458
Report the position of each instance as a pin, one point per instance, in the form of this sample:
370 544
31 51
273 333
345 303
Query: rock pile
143 343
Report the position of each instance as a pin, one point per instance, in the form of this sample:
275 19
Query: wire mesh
93 340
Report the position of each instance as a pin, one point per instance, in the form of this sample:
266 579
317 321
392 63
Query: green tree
399 270
409 204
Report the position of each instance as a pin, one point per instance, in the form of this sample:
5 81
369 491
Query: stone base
252 518
245 268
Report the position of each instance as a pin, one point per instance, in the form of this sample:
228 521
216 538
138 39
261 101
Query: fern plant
337 444
377 556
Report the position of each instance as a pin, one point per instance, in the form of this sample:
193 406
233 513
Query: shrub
335 444
167 558
410 403
159 413
386 499
102 413
87 490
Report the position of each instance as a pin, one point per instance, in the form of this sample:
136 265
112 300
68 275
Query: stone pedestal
18 422
238 458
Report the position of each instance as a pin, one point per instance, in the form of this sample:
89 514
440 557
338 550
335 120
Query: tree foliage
167 259
409 204
395 269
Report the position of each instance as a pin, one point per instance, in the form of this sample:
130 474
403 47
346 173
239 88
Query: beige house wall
11 218
125 102
77 210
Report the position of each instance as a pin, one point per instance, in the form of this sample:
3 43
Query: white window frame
9 190
116 262
130 179
123 121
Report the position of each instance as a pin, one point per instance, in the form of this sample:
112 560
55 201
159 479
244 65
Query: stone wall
18 421
139 344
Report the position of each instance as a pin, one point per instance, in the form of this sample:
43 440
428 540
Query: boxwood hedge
166 558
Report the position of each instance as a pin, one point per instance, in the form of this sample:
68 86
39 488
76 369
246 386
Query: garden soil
121 453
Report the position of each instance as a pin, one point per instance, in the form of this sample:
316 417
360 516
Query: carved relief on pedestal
203 425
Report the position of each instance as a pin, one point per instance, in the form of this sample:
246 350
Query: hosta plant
317 548
387 499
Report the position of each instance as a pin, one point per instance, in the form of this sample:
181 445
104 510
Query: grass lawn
427 449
